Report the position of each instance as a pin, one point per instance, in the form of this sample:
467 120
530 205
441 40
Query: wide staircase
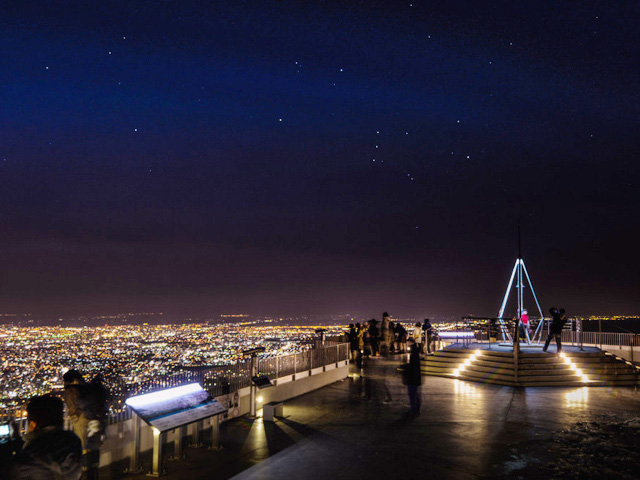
534 369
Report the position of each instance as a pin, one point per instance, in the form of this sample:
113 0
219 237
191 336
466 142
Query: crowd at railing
223 379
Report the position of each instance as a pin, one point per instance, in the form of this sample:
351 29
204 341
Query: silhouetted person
393 347
353 342
384 336
524 324
360 330
413 378
402 337
555 329
427 328
87 408
49 452
374 336
417 336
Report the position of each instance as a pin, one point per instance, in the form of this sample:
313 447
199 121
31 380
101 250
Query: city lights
133 358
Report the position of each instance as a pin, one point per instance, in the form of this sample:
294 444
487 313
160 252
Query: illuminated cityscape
199 198
34 359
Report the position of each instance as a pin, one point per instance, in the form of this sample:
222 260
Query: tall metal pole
516 338
252 391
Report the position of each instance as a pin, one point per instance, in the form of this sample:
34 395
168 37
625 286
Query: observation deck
358 427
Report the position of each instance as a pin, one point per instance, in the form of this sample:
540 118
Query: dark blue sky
317 157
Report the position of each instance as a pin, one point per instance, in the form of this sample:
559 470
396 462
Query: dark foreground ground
358 428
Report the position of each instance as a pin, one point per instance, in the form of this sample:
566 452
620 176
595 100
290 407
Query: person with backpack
87 409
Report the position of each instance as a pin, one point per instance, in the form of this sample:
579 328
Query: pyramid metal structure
519 273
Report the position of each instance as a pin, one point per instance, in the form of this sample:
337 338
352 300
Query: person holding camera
555 329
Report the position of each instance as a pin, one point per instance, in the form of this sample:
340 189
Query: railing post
158 441
579 333
600 332
135 443
324 358
516 353
215 432
178 444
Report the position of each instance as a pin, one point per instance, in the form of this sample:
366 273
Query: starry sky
289 158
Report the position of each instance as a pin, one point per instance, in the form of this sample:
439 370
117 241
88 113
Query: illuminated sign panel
174 407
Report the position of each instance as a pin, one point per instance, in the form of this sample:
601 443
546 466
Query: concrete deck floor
358 428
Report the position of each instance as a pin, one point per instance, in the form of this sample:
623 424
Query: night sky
287 158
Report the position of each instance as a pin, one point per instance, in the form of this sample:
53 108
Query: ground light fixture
466 363
574 367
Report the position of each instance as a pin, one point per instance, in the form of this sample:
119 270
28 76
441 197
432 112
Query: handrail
223 379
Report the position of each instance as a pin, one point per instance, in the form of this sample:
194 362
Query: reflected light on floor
577 398
465 389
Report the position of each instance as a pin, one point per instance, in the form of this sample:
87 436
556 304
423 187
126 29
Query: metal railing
223 379
484 329
599 338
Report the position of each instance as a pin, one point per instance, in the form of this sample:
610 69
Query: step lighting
466 363
573 367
